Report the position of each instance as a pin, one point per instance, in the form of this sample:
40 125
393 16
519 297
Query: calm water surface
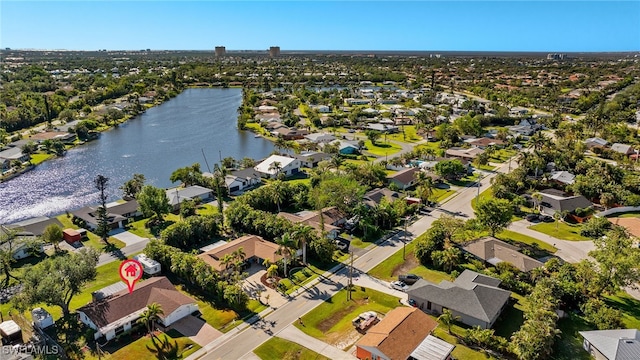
156 143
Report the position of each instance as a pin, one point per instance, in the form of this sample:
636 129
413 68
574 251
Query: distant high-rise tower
220 50
274 51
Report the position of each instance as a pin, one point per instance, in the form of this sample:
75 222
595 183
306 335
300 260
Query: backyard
395 265
140 348
560 230
381 148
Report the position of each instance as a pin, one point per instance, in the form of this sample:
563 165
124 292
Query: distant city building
274 51
220 50
556 56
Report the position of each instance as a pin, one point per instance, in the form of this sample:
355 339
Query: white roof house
622 344
276 164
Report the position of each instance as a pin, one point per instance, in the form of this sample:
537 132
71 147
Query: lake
156 143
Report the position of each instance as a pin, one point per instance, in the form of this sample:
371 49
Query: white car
399 285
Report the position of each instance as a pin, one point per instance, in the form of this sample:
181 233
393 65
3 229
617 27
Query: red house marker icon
130 272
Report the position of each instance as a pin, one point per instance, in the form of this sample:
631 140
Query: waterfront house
117 313
397 335
22 246
494 251
34 226
240 180
274 165
256 250
289 133
178 195
13 153
89 215
620 344
128 209
311 159
320 137
475 298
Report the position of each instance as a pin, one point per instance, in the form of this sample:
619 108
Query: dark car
409 279
533 218
547 218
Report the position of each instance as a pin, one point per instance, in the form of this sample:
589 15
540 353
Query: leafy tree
373 135
188 175
153 201
494 214
187 208
427 243
8 244
450 169
447 259
132 187
55 281
618 261
52 235
101 213
595 227
601 315
323 248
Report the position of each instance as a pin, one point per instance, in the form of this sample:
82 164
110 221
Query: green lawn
484 167
39 158
381 148
483 195
512 317
569 345
394 265
279 349
507 235
222 319
331 320
629 306
440 195
94 240
460 351
560 230
502 155
359 243
626 215
410 135
139 349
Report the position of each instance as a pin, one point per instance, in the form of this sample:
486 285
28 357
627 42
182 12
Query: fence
616 210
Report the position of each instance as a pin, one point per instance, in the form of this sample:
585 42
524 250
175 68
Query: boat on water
257 136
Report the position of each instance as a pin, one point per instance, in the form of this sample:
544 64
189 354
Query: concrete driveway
129 238
196 329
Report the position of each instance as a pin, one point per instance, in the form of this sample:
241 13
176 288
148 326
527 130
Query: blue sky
323 25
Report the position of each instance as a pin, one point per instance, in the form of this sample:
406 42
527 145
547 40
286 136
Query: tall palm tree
238 257
150 316
227 263
285 246
277 192
302 236
276 166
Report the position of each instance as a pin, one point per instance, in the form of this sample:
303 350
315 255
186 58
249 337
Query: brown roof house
116 313
254 247
495 251
475 298
404 179
397 335
331 217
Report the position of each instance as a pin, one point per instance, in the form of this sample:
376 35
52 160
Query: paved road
571 251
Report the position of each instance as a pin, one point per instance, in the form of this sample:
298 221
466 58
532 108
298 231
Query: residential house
34 226
256 250
562 177
89 215
475 298
13 153
345 147
115 314
240 180
323 109
274 165
462 153
524 128
332 218
621 344
311 159
595 142
289 133
495 251
431 164
129 209
623 149
484 142
352 101
23 244
375 196
396 336
383 128
555 200
404 179
320 138
178 195
632 224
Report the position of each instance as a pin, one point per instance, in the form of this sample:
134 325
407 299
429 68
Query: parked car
399 285
532 218
409 279
341 245
546 218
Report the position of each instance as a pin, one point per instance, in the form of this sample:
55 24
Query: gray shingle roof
471 294
623 344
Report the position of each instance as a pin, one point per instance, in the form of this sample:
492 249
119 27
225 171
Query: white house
278 164
320 137
117 313
240 180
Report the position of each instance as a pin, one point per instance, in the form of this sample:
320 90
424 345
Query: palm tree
538 141
538 199
150 316
238 256
447 319
280 143
227 263
335 162
276 166
277 192
302 236
285 246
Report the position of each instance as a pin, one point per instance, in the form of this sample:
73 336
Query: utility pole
479 186
404 241
350 278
